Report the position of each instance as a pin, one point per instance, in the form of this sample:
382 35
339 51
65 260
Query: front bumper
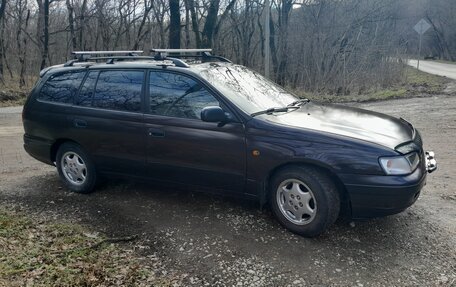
431 163
379 195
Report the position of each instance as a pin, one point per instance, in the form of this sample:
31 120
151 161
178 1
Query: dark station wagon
199 120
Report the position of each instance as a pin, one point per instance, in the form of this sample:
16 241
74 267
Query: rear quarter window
61 87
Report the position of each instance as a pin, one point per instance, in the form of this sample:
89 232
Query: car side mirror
214 115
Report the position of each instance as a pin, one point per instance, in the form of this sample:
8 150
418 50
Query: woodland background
332 46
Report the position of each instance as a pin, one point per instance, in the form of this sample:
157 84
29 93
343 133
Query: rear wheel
304 200
75 168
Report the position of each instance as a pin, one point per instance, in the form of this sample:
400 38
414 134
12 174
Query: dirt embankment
12 97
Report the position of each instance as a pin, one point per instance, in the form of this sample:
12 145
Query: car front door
181 147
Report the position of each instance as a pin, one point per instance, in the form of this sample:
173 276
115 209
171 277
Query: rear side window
61 88
119 90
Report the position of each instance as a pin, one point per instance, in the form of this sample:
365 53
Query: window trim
82 84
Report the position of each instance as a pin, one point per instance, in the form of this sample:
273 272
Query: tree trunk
43 30
81 25
140 35
71 25
187 24
174 24
272 45
23 52
211 21
283 40
191 7
218 25
2 14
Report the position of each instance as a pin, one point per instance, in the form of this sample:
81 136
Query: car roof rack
176 58
204 54
112 56
84 56
176 62
90 53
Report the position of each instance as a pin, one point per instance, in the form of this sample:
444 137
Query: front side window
119 90
61 88
179 96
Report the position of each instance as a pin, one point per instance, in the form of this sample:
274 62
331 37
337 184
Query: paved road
219 241
436 68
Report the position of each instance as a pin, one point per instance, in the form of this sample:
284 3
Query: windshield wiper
299 102
294 105
274 110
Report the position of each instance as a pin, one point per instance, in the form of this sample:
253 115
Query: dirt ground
216 241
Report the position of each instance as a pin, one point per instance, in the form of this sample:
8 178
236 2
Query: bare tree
190 4
71 23
329 46
174 24
440 14
213 21
283 8
22 14
81 26
141 33
2 15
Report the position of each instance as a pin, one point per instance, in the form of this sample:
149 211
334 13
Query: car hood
347 121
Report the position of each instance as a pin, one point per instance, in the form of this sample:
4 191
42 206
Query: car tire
304 200
75 168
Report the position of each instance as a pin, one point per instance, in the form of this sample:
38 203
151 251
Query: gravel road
216 241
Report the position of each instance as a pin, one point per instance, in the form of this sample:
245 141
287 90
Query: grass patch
40 253
12 94
420 81
371 96
413 83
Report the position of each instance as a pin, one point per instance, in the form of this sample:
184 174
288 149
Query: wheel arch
344 196
56 145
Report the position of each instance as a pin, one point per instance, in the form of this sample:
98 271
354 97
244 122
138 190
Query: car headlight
400 165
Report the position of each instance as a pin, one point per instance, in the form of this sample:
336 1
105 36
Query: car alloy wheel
296 201
73 167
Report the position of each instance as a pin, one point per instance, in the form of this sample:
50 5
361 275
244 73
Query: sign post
421 27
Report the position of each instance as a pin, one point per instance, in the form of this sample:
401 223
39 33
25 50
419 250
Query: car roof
194 66
163 58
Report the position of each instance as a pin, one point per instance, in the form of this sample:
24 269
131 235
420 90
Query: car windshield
248 90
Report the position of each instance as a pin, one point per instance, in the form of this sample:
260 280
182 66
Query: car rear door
181 147
107 119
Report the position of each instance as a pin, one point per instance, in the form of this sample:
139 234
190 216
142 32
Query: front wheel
304 200
75 168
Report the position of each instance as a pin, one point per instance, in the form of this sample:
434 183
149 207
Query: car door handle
79 123
158 133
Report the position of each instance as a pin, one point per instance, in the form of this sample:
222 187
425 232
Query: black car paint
221 156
